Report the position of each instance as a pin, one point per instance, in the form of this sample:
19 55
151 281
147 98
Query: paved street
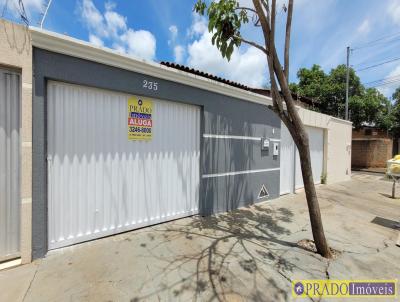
248 254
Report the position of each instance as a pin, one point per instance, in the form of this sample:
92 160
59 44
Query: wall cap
77 48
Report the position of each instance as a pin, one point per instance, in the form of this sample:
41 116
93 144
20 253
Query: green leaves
329 89
225 20
200 7
396 96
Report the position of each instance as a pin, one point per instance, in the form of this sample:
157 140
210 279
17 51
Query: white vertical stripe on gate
100 183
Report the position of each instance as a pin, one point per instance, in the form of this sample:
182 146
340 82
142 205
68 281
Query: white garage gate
316 138
291 177
287 157
99 182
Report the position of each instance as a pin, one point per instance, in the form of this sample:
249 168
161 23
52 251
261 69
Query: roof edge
77 48
341 120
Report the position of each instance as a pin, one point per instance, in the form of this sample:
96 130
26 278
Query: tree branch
266 7
276 66
254 44
273 14
263 21
287 39
275 94
246 8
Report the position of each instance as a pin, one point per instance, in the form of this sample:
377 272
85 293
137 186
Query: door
99 182
10 98
290 173
316 138
287 161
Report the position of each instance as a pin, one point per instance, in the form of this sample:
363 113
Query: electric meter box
264 144
276 149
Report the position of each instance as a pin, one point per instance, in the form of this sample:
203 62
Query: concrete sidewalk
248 254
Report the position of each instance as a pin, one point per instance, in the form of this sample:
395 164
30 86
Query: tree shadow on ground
233 256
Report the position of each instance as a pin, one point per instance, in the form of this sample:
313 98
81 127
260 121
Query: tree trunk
301 139
287 40
291 117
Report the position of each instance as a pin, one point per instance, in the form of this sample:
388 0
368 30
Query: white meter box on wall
276 149
264 144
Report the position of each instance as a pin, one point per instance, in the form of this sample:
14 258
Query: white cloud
31 7
140 43
364 27
198 27
178 50
115 22
93 18
179 53
394 11
173 29
95 40
247 66
109 5
112 28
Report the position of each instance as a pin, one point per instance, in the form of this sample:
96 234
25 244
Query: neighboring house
371 147
302 101
110 143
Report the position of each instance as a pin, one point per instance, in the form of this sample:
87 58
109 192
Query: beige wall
339 150
314 119
337 143
16 53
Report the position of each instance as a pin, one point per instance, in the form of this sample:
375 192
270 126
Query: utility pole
347 84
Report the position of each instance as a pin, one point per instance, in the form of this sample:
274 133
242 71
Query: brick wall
370 133
371 153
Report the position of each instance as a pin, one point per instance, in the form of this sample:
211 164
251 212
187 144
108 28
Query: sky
169 30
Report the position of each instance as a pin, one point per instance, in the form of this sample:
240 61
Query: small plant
324 178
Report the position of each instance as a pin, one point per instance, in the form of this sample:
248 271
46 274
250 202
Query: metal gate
291 177
287 161
99 182
316 140
10 97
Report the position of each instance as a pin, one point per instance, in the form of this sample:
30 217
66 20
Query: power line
384 84
364 64
378 64
377 41
382 40
383 79
22 12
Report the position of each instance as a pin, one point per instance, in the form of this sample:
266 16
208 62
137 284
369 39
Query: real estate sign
140 122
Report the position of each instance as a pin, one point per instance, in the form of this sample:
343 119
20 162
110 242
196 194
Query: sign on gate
140 122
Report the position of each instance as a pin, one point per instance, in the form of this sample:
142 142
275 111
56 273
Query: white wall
339 150
337 143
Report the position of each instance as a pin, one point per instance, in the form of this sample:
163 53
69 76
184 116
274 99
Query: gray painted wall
222 115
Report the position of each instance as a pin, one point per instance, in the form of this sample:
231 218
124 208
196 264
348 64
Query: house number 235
150 85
